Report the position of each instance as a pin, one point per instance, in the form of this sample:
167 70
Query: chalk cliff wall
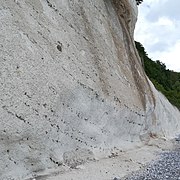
72 87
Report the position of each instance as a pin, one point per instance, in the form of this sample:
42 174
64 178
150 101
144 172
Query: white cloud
158 29
165 21
170 57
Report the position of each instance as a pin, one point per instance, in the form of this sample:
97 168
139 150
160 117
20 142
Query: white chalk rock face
72 87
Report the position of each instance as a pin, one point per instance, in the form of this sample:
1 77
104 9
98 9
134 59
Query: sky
158 30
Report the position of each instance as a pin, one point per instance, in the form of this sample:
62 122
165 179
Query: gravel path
167 167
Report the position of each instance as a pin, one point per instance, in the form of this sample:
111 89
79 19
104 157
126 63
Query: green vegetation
165 80
139 1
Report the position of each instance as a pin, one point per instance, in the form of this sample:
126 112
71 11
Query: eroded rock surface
72 81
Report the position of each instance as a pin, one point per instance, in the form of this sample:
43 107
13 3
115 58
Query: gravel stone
167 167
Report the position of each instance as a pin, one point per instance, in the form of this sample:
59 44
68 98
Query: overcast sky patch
158 29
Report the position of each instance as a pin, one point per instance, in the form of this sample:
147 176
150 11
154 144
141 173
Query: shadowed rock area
72 86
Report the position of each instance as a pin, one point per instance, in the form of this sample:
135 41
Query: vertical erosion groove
123 11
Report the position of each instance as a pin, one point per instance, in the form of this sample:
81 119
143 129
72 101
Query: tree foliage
139 2
165 80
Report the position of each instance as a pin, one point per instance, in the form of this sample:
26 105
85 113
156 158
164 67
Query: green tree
165 80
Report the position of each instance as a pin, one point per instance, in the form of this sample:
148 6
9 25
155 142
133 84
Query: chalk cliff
72 86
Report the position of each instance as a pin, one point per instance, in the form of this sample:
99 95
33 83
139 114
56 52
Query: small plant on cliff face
139 2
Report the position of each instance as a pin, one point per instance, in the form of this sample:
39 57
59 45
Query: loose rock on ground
167 167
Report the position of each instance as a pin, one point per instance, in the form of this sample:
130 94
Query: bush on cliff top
139 2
